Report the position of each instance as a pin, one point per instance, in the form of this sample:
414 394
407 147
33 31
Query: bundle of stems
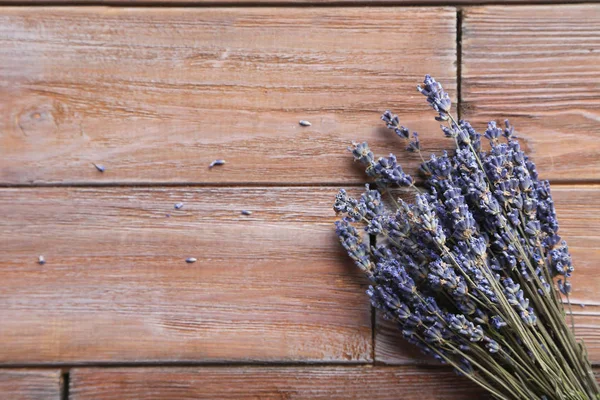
473 271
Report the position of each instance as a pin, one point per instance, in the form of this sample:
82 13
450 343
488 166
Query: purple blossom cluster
467 269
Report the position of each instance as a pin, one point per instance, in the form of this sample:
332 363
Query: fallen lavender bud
246 212
190 260
41 260
216 162
468 270
178 206
99 167
304 123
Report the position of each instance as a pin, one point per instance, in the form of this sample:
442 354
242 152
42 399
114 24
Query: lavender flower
388 172
414 146
467 270
393 122
436 97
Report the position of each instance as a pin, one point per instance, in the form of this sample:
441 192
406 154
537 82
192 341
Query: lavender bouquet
474 271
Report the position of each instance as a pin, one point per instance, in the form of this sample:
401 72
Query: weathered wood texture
270 383
538 66
578 209
30 384
156 94
273 286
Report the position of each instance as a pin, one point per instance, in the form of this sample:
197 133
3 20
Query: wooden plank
272 286
578 209
543 74
156 94
270 383
30 384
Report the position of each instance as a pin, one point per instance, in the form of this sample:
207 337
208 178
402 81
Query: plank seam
556 182
200 364
67 366
65 383
459 24
373 333
66 376
267 4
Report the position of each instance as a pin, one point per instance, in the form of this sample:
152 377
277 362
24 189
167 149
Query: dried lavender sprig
493 133
554 313
507 239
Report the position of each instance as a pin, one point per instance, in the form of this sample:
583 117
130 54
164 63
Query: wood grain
273 286
155 95
29 384
270 383
578 210
538 66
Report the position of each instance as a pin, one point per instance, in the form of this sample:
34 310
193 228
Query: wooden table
272 309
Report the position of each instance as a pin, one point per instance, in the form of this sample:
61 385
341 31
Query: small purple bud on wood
100 167
216 162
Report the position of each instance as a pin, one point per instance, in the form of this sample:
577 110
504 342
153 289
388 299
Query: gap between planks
67 366
289 4
560 183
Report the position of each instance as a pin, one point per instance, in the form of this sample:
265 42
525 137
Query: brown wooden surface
29 384
273 286
538 66
156 94
287 383
578 209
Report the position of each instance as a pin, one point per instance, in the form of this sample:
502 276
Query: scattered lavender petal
304 123
246 212
100 167
190 260
216 162
178 206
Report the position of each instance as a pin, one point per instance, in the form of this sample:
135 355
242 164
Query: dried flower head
436 97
